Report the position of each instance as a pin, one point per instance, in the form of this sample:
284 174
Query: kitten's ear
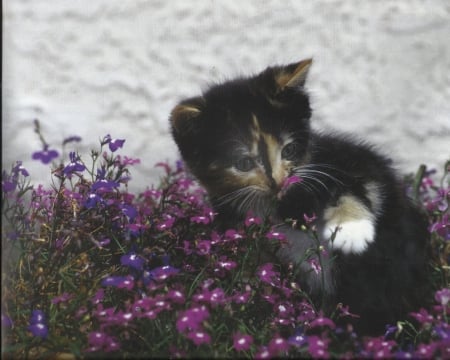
185 114
293 75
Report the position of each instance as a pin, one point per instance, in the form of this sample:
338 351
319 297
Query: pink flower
252 220
199 337
266 273
242 342
323 321
276 235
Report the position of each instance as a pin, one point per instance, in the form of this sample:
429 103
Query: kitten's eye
289 151
244 164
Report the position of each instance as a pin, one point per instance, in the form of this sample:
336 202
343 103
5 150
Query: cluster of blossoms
97 271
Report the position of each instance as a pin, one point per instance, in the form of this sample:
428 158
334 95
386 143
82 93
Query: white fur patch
352 236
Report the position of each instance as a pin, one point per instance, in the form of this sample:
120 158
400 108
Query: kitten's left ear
293 75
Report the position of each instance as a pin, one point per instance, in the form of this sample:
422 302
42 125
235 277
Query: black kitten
246 139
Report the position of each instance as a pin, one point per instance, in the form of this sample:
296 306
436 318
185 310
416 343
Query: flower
275 235
192 318
113 144
266 273
74 166
163 272
317 347
39 330
45 155
132 260
126 282
323 321
252 220
38 324
242 342
199 337
315 265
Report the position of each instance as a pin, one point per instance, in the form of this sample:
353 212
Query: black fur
381 284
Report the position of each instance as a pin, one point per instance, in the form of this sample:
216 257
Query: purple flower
129 211
201 219
317 347
203 247
176 296
232 234
226 264
192 318
113 144
315 265
199 337
425 351
92 200
163 272
242 342
39 330
38 324
278 345
105 184
276 235
266 273
98 297
100 341
323 321
121 282
37 316
132 260
45 155
423 317
252 220
442 227
9 182
443 296
298 339
74 166
166 224
19 170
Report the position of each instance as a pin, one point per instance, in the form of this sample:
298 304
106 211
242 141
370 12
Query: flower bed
92 270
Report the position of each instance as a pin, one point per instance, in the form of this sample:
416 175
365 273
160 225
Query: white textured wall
92 67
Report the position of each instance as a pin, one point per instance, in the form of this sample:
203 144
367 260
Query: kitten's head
243 138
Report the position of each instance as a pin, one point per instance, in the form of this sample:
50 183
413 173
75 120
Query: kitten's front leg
301 250
351 223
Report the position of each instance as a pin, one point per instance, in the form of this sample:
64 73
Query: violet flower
132 260
38 324
113 144
199 337
121 282
242 342
74 166
45 155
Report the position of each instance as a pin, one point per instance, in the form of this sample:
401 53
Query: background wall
381 70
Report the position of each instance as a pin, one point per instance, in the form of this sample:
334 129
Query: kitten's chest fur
249 142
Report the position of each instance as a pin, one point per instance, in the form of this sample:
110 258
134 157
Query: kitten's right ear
184 116
293 75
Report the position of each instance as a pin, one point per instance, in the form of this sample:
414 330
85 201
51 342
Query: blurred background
381 71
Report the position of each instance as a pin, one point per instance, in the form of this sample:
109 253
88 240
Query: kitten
244 139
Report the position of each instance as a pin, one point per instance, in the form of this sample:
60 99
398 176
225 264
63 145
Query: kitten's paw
351 236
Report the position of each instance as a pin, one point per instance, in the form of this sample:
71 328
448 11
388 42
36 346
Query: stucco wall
381 70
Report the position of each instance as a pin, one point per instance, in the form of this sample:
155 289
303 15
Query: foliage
92 270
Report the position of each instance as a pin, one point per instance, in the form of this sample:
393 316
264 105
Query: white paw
351 236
